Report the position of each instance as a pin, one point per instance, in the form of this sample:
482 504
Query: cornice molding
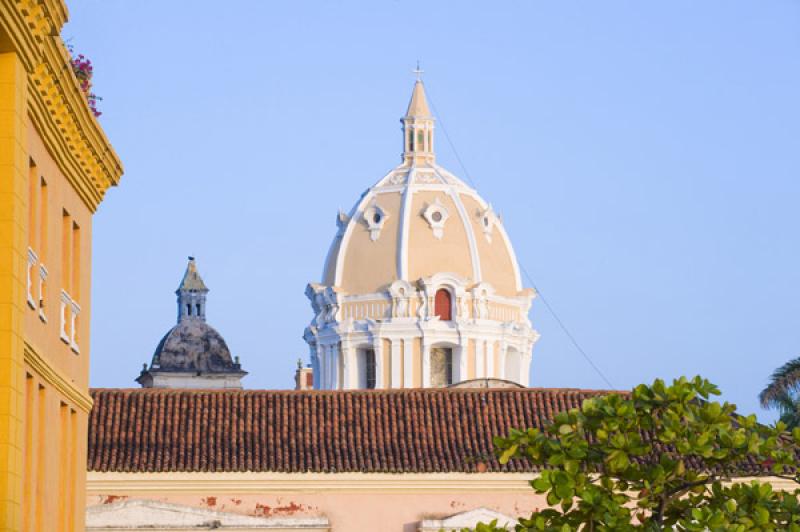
57 106
104 483
56 379
248 482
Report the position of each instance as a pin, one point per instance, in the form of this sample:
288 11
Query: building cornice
55 378
103 483
58 108
249 482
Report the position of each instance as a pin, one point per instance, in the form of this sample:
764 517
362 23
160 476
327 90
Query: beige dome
417 221
421 287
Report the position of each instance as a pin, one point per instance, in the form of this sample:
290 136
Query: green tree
660 458
782 393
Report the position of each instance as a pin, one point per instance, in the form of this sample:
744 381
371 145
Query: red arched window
443 305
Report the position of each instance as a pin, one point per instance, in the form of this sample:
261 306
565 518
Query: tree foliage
661 458
782 393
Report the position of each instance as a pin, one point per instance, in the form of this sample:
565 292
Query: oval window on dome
443 305
376 217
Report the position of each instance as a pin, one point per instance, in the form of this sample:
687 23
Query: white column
463 352
480 359
328 367
525 368
490 369
501 371
396 365
350 366
315 367
377 345
426 364
525 365
408 362
323 367
335 385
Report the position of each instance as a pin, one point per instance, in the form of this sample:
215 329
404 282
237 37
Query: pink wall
353 511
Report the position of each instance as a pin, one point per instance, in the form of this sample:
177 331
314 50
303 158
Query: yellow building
55 166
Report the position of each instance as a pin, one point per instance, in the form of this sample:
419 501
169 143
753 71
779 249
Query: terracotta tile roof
150 430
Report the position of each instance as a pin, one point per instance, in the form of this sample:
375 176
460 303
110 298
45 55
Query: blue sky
644 157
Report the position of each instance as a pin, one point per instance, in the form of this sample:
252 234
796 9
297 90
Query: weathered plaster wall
350 511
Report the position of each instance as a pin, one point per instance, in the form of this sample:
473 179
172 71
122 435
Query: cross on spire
418 71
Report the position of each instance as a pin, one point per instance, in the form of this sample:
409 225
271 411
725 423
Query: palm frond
785 403
792 419
790 412
784 381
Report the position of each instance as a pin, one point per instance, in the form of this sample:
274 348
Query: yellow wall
13 256
46 132
417 365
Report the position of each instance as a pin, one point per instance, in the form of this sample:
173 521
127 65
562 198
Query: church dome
421 287
195 346
419 220
192 354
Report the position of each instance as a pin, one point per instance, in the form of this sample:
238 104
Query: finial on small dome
191 294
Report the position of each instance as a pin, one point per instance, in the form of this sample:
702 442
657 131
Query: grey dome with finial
192 354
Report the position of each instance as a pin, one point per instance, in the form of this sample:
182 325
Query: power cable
521 266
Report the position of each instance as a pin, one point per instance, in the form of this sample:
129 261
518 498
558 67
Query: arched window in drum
443 305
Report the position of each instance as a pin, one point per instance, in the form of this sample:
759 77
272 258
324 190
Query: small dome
193 345
192 354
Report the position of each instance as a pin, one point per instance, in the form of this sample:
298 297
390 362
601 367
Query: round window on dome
436 216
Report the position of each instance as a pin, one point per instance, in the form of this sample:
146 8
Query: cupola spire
418 126
191 294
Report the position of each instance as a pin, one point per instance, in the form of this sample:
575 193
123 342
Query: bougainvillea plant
662 458
82 67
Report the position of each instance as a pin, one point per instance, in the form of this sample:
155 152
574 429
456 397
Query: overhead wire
539 293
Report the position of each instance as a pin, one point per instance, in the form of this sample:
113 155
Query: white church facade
421 286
